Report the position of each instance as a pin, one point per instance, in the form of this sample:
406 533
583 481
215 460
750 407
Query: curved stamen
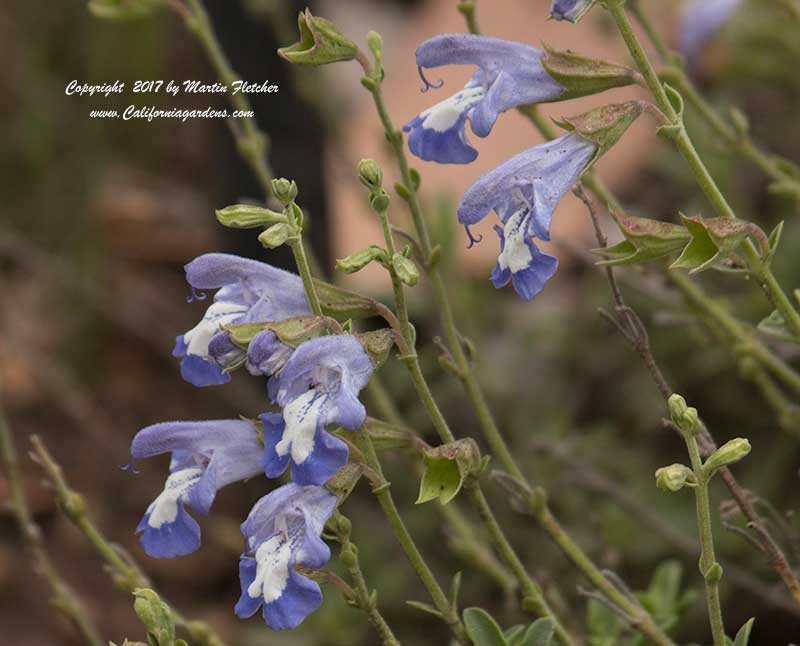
195 295
472 239
428 84
130 467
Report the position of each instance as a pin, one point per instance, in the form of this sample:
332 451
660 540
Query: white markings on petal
272 569
516 254
164 509
301 416
445 114
219 313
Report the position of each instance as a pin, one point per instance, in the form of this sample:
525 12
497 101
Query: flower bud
275 236
683 416
674 477
370 174
570 10
284 190
375 43
405 269
360 259
155 615
247 216
320 43
729 453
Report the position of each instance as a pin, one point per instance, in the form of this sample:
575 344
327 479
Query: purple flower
248 291
570 10
700 20
319 385
206 456
267 354
524 191
509 74
283 530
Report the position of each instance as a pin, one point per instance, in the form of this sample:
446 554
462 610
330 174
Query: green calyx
320 43
604 126
580 75
645 239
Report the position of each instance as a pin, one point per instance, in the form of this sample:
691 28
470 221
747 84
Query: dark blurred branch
63 597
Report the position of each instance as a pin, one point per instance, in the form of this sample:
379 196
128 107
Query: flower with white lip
248 291
509 74
319 385
524 191
206 456
283 530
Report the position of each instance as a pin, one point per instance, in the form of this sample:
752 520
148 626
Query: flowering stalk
677 132
362 597
62 596
123 569
533 597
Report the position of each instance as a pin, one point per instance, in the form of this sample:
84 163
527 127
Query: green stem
63 597
381 489
124 571
251 141
533 599
362 598
758 267
708 562
298 249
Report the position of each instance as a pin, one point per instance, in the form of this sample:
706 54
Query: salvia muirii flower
248 291
206 456
700 20
509 74
570 10
524 191
283 530
318 385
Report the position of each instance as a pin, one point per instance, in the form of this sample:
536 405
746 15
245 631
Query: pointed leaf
743 636
343 304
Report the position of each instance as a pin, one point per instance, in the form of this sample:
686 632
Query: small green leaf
357 260
424 607
775 325
774 240
482 628
701 252
539 633
514 635
743 636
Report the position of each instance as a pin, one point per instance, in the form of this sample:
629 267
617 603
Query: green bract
320 43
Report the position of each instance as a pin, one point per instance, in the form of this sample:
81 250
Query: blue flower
570 10
267 354
283 530
509 74
248 291
524 191
319 385
206 456
700 20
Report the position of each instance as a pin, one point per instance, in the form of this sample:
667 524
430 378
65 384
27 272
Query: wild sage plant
306 339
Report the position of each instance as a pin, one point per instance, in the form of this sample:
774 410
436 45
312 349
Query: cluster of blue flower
524 190
315 384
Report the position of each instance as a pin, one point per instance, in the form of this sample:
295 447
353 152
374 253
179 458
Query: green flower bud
375 44
284 190
320 43
360 259
247 216
729 453
348 558
405 269
370 174
155 615
275 236
674 477
683 416
379 202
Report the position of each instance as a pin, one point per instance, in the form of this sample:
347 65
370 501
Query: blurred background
98 217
